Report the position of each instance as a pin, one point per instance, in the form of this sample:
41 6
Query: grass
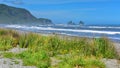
80 62
16 62
83 52
39 59
9 55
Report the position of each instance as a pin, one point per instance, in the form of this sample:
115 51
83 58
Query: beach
109 63
110 31
59 34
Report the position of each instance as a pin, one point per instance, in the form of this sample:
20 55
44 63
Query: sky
62 11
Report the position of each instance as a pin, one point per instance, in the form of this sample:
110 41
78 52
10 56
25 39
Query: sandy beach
11 62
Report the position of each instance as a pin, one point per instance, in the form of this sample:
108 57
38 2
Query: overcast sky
62 11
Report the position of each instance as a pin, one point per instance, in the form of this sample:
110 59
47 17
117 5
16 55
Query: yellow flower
77 50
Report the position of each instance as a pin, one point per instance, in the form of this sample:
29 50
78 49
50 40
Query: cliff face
10 14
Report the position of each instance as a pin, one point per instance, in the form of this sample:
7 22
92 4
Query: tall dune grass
41 48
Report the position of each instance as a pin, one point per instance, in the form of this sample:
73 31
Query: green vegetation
72 51
39 58
10 14
16 62
80 61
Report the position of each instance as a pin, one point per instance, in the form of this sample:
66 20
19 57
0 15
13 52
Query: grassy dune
73 52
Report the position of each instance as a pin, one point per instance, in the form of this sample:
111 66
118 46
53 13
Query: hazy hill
9 14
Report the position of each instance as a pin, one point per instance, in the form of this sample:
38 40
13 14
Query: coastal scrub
72 51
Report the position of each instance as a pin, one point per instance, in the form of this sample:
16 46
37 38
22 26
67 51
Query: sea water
110 31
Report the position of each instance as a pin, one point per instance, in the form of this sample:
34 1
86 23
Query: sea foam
67 30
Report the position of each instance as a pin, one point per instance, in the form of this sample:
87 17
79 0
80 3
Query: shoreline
59 35
68 45
51 34
62 35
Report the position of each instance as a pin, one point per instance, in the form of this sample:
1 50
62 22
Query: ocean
110 31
